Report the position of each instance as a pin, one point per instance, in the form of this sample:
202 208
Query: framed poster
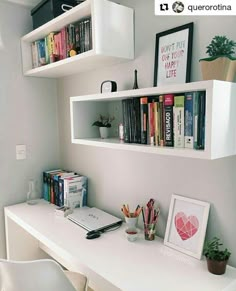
186 225
173 55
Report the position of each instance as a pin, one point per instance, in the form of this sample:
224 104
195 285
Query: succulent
221 46
212 250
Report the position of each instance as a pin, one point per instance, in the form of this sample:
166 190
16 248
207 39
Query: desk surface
141 265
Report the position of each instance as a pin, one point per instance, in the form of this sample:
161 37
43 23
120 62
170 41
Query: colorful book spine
161 120
195 122
189 119
169 120
151 123
47 184
144 119
179 121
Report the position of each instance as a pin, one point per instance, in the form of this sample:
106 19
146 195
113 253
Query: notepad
94 219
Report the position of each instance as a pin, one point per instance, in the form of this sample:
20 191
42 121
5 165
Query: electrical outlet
20 152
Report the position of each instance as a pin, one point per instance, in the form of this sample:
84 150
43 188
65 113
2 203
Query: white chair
39 275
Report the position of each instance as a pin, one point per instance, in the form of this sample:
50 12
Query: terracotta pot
216 267
221 68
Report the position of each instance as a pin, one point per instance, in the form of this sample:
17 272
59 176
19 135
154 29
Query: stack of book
65 188
172 120
71 40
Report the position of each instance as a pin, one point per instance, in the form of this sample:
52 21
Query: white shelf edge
175 88
113 143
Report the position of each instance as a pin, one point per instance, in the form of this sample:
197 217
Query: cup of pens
131 219
150 217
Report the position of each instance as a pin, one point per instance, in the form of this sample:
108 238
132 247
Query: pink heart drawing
186 226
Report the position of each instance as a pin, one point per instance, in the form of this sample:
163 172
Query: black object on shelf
46 10
135 79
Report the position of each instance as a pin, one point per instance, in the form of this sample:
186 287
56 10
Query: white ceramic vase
104 132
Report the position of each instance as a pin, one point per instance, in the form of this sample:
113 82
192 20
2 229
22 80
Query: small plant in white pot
216 256
104 123
220 65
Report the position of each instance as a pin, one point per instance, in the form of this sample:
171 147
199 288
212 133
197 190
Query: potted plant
104 123
216 257
220 65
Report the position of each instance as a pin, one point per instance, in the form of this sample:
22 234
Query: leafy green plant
103 121
221 46
213 251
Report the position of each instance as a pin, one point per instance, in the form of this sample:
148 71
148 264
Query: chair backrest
46 275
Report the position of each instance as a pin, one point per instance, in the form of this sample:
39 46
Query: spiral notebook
93 219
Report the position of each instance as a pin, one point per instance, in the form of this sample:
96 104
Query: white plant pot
104 132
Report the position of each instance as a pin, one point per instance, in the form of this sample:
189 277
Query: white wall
28 115
117 177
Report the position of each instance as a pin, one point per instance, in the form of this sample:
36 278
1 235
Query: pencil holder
149 231
131 222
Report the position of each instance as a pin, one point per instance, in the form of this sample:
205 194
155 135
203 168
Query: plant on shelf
217 257
220 64
104 122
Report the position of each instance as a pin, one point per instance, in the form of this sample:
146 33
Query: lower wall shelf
114 143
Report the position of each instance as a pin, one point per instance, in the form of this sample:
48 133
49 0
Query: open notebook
93 219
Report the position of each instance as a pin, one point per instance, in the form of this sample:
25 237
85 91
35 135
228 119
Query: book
156 122
201 121
46 183
125 120
56 179
161 120
179 121
75 191
195 122
144 119
190 99
169 120
151 123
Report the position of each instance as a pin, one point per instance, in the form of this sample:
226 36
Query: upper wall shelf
220 126
112 39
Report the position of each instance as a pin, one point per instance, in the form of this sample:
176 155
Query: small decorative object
173 55
32 194
104 123
216 257
121 131
135 79
131 234
186 225
220 65
108 86
150 217
131 219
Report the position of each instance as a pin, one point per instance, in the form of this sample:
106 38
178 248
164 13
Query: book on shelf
169 120
125 120
151 123
201 121
179 121
144 119
161 120
189 120
156 121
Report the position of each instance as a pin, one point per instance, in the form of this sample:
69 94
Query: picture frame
173 55
186 225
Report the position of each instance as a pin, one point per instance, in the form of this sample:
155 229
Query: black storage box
46 10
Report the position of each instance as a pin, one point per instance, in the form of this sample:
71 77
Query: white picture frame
186 225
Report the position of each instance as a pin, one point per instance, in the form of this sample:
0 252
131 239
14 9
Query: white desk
111 262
